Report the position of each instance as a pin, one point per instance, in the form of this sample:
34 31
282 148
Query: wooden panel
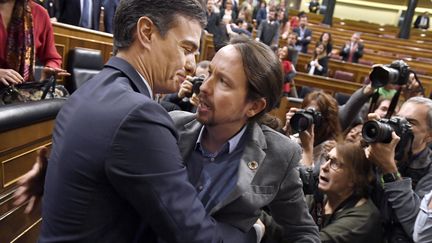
16 166
23 136
327 84
31 234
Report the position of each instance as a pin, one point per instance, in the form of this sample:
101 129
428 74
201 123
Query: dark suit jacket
357 54
110 7
115 165
417 23
69 12
303 42
275 183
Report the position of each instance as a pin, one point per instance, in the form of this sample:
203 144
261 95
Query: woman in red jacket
26 34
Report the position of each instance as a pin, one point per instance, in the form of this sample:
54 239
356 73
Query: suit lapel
188 137
252 158
136 81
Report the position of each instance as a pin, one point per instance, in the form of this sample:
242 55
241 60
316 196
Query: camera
196 84
303 119
395 73
381 132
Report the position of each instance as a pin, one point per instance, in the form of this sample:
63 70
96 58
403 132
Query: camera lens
196 87
377 132
382 75
301 121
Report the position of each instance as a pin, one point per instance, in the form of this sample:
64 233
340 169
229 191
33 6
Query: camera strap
393 103
374 101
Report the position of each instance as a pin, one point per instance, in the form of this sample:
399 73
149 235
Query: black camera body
395 73
196 84
381 132
303 119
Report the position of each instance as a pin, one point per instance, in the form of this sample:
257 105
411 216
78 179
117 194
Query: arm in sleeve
349 111
423 224
275 40
260 29
289 208
404 201
359 51
145 167
47 53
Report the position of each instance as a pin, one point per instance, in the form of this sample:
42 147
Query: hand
288 116
368 90
194 100
48 71
10 77
31 185
185 88
412 88
382 155
307 141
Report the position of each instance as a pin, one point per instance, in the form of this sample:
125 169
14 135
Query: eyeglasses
334 164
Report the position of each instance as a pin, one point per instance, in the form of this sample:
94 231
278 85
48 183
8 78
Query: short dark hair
263 71
162 12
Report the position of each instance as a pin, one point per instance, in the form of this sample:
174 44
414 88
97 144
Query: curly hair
328 106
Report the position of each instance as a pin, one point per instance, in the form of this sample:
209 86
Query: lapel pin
253 165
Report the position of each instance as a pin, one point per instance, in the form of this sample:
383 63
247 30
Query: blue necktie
85 15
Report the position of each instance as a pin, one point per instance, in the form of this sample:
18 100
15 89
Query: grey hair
426 102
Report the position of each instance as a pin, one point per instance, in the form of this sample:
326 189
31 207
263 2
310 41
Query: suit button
200 188
253 165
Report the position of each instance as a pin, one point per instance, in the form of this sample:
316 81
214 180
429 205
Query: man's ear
256 107
144 30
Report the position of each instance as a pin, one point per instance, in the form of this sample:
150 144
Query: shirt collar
232 143
147 84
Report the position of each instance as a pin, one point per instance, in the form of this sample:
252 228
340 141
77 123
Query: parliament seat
347 76
82 64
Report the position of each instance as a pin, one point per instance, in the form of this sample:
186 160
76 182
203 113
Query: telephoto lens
377 132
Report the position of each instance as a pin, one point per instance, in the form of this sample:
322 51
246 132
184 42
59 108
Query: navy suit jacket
115 169
69 12
110 7
303 42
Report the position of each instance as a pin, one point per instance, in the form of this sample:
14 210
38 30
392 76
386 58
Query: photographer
403 183
186 99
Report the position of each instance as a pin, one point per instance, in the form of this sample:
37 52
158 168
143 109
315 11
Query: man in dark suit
352 51
237 165
304 34
83 13
115 168
422 21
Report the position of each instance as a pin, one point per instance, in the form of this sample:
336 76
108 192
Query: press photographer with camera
186 99
398 146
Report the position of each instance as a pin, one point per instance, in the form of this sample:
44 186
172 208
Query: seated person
352 51
26 35
318 64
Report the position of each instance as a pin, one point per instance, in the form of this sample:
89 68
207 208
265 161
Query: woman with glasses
341 206
339 202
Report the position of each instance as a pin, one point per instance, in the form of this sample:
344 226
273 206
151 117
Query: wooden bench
24 128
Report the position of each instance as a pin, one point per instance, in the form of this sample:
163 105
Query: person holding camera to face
186 99
403 160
